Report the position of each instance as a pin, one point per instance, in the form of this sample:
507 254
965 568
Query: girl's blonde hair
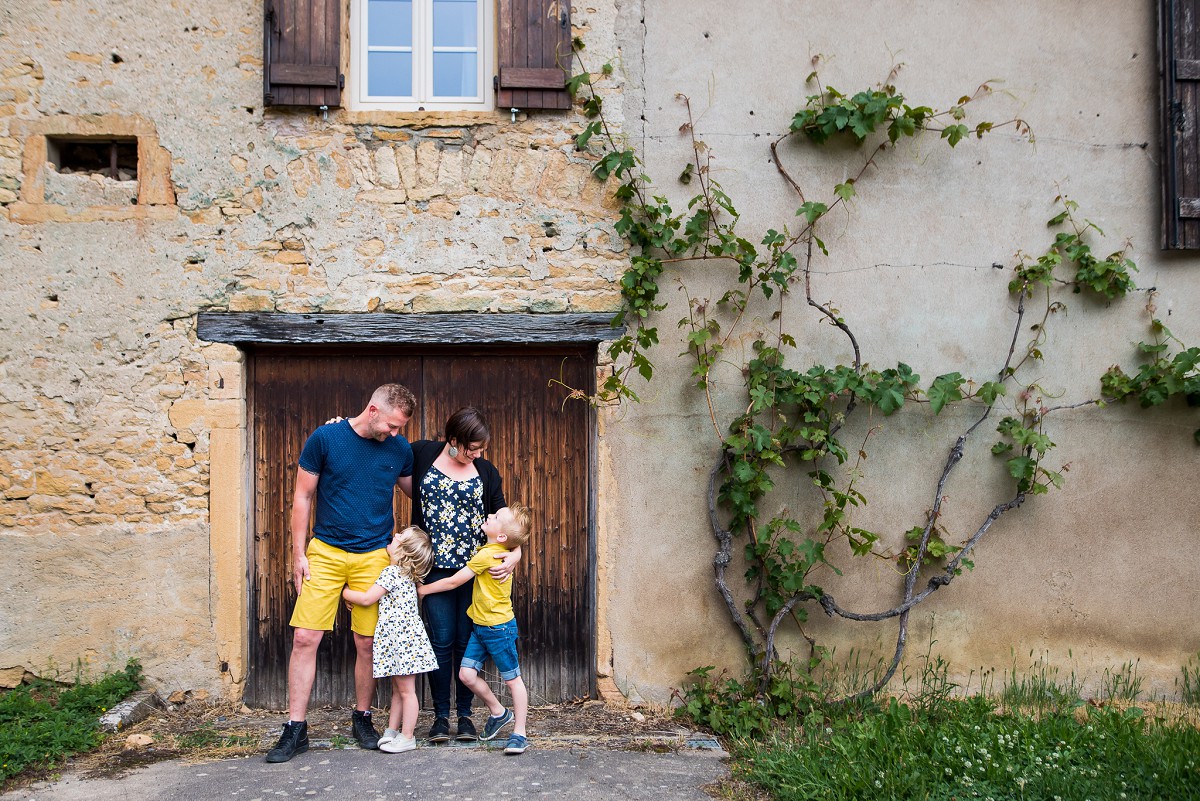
413 553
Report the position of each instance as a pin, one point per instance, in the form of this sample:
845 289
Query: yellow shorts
330 569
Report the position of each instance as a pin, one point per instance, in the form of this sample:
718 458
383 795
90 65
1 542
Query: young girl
401 647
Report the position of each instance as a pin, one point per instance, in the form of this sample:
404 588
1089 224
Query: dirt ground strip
201 731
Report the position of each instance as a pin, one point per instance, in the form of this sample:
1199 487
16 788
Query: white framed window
422 55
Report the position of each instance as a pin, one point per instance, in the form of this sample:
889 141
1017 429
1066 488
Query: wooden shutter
534 44
302 53
1180 52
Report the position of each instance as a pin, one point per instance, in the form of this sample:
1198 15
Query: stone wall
122 443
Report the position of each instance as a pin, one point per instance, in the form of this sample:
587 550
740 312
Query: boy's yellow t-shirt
491 601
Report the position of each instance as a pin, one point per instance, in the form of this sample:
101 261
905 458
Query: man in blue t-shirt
349 468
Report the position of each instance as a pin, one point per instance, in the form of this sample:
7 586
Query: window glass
454 23
389 23
422 54
454 75
389 74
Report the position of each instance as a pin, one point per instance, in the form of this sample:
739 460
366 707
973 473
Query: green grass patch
1189 684
968 749
42 722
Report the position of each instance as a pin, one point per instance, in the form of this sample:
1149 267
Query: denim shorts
498 642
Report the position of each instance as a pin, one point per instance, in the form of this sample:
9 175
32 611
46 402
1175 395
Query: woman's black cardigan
425 451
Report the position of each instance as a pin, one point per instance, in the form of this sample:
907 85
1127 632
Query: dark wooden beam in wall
268 328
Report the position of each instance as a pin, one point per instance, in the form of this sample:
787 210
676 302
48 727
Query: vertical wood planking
1188 149
540 447
551 52
504 34
331 50
1167 145
1180 115
521 8
291 396
302 47
531 37
1182 49
541 450
309 36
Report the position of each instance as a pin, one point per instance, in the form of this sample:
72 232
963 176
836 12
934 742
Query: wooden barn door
540 445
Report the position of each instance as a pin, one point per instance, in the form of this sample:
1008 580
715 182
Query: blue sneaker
517 743
495 723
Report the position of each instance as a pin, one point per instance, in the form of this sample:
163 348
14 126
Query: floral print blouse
453 512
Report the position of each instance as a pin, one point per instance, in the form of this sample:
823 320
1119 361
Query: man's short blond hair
517 529
395 397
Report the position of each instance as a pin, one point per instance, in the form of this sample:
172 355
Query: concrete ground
578 773
195 750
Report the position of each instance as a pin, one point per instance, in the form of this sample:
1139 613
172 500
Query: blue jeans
449 632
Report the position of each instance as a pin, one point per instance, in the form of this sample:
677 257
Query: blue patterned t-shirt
354 486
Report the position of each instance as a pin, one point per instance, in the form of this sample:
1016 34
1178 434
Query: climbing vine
794 418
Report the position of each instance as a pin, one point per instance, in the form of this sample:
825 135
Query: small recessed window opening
111 157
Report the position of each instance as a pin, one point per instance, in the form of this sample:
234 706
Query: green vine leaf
954 134
945 389
990 391
812 211
589 130
577 81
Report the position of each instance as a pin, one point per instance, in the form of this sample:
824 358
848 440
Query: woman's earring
453 451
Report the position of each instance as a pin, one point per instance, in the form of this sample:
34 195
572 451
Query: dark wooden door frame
269 328
254 330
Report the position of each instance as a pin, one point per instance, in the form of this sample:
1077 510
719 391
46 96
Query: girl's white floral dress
401 645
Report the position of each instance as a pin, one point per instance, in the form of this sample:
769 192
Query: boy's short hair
518 528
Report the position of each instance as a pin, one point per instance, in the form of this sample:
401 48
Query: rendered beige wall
1086 578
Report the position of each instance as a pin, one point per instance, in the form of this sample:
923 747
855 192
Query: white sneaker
388 736
399 745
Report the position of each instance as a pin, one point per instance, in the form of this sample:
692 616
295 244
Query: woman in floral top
454 489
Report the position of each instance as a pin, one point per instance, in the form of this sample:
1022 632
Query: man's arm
508 563
450 582
405 485
364 597
306 488
507 560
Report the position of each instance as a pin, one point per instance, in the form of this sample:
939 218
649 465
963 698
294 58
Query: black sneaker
466 731
439 732
294 740
364 730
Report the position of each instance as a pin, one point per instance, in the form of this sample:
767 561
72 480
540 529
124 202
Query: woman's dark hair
466 426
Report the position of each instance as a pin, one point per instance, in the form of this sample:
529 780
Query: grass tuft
1034 738
1189 687
967 748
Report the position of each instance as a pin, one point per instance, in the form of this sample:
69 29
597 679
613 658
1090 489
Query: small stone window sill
47 196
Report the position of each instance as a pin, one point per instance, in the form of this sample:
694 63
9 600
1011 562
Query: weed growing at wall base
901 752
41 722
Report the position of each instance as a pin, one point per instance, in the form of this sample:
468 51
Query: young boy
495 632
